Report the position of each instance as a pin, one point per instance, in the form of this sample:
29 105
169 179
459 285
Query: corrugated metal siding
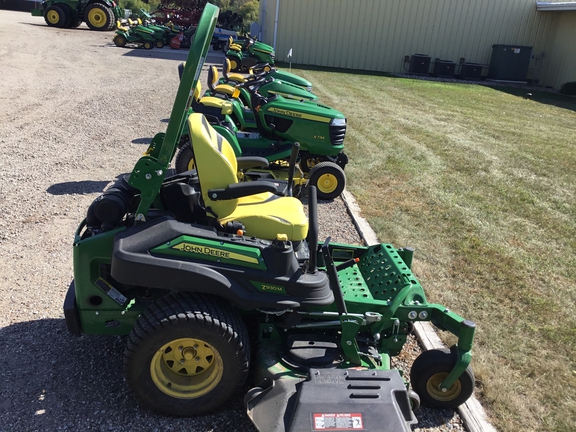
559 64
377 34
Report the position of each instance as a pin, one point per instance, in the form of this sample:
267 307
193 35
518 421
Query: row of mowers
148 34
223 285
262 115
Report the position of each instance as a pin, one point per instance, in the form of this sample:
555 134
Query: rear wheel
430 369
185 159
148 45
98 17
187 354
120 40
159 44
329 180
55 16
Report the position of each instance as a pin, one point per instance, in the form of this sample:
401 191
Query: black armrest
247 162
238 190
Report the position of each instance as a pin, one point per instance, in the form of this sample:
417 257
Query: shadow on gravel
170 54
77 187
51 380
142 141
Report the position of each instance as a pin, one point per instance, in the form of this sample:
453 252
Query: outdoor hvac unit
419 64
444 68
471 71
509 62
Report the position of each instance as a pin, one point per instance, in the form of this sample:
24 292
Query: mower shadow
52 380
142 141
213 57
77 187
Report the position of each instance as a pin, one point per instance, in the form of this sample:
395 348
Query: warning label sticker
337 422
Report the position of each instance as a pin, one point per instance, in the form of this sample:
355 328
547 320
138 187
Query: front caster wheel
427 373
187 354
328 178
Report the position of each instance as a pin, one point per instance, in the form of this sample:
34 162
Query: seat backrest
212 78
215 163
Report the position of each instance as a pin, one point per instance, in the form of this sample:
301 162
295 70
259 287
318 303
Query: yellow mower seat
264 215
234 46
224 89
224 106
231 76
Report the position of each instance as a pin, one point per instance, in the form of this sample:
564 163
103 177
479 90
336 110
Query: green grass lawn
482 182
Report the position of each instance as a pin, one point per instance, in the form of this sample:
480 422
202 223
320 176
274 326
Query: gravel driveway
76 112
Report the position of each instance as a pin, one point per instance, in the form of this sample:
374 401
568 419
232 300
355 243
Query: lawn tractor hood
332 400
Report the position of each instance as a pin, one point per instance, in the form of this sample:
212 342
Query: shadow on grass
52 380
544 97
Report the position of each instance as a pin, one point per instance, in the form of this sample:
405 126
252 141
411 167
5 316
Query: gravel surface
77 112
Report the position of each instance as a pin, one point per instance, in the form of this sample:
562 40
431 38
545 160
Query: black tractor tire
55 16
429 370
159 44
187 354
75 21
185 158
120 40
148 45
329 180
99 17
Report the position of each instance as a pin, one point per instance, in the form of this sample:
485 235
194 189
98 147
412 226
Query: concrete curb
472 413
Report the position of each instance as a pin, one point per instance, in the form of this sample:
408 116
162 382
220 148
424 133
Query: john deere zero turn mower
212 278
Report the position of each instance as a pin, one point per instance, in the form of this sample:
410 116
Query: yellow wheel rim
233 64
186 368
191 164
327 183
147 45
53 17
433 388
97 17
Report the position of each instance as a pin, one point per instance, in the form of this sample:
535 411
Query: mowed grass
482 182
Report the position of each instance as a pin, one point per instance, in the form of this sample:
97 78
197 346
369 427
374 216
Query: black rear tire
99 17
120 40
187 354
55 16
185 158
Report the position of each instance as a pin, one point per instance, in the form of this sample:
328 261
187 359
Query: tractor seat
210 105
120 27
264 214
231 76
234 46
222 89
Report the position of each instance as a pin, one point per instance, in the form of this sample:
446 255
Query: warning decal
337 422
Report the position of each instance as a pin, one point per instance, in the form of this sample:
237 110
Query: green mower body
247 53
271 127
97 14
204 301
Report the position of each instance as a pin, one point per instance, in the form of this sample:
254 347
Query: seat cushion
266 215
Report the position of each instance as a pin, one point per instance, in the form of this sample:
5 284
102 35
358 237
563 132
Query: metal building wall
559 63
377 34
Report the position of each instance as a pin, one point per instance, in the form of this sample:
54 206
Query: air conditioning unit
444 68
419 64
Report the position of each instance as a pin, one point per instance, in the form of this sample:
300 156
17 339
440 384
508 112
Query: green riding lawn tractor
98 14
223 286
279 114
247 53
